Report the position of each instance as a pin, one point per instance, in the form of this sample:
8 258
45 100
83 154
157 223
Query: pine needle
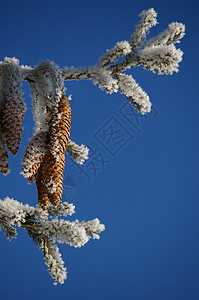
8 230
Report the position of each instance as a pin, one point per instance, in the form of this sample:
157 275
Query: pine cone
4 167
54 161
34 154
13 109
50 166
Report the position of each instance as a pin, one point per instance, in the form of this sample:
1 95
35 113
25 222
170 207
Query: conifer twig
8 229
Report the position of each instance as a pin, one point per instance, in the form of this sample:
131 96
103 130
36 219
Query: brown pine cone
4 167
34 154
13 109
49 178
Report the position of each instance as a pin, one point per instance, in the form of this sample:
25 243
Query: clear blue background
147 195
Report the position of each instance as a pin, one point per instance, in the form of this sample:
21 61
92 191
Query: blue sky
146 192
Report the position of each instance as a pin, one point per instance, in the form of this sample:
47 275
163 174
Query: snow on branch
103 79
73 73
134 93
75 233
79 153
63 209
173 34
16 213
148 19
121 49
45 228
163 59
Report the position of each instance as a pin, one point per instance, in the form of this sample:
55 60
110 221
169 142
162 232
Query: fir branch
8 230
173 34
121 49
148 19
133 92
52 257
163 59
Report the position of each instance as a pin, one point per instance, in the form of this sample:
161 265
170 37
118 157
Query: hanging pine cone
13 109
34 154
54 160
4 167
